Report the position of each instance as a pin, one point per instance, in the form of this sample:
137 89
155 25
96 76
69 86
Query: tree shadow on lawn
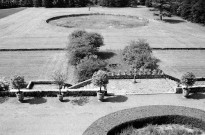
197 96
3 99
116 99
105 55
35 100
173 21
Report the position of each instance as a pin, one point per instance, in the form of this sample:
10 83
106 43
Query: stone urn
60 97
185 91
100 95
20 96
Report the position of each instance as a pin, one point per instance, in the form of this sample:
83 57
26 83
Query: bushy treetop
188 79
88 66
139 54
100 78
18 82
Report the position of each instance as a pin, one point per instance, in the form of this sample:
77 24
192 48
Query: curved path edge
106 124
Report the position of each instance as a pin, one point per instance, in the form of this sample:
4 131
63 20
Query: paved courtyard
48 116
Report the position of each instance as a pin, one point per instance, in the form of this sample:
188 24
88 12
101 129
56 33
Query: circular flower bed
97 21
142 116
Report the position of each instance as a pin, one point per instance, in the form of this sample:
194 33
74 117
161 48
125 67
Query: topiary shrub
100 79
4 85
188 79
18 82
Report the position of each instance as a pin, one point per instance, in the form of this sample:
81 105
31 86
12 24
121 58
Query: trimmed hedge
141 116
49 93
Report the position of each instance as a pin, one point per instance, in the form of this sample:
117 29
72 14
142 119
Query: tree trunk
100 88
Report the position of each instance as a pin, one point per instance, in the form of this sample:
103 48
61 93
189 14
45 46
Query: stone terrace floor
143 86
48 116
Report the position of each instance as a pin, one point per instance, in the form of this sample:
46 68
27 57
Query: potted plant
100 79
19 83
59 79
4 84
187 80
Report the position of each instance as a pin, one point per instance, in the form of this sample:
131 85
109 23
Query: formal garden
58 78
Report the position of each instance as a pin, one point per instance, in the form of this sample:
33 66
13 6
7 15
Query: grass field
10 11
98 21
34 65
28 29
176 63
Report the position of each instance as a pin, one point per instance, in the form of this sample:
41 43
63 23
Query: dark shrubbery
83 49
139 55
148 3
37 3
8 4
192 10
88 66
46 3
82 44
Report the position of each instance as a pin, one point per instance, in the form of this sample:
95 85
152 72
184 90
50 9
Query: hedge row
49 93
137 76
141 116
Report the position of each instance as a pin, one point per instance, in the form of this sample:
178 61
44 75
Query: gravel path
48 116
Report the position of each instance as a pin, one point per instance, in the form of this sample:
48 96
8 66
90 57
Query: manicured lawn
178 62
98 21
28 29
34 65
10 11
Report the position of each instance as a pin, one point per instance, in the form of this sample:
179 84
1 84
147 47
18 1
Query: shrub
142 2
88 66
100 78
82 44
46 3
188 79
148 3
36 3
18 82
139 54
59 79
4 85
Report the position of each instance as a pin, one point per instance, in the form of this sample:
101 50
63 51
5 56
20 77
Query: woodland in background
191 10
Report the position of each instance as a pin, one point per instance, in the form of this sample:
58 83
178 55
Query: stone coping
160 114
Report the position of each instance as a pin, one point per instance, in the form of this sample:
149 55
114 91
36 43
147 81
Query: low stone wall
141 116
195 89
32 83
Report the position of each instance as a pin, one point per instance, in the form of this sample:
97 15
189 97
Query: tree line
67 3
191 10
